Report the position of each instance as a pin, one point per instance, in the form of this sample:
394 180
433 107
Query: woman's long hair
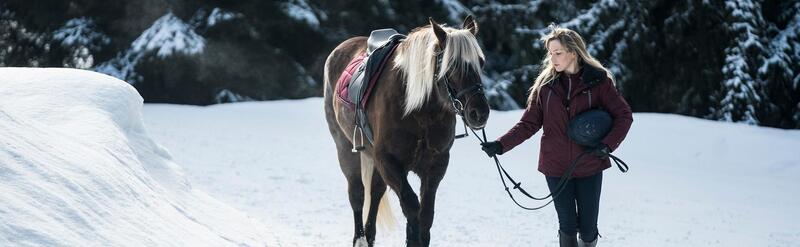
572 42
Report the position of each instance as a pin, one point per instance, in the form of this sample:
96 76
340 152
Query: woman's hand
601 151
492 148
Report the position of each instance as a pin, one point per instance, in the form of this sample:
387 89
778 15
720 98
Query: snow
301 11
227 96
497 93
79 36
168 35
218 15
78 168
589 18
692 182
455 10
497 8
784 47
80 31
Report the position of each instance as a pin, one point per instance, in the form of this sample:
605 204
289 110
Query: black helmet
590 127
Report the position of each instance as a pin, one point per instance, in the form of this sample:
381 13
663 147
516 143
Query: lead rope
517 185
559 187
459 107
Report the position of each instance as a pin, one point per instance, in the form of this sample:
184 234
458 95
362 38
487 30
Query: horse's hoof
361 242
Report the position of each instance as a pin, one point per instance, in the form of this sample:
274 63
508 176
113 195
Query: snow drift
78 168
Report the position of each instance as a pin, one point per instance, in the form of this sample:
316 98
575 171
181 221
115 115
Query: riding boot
566 240
588 244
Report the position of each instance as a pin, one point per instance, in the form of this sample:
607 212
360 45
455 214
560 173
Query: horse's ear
470 24
441 35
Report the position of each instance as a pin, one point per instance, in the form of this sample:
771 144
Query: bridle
458 106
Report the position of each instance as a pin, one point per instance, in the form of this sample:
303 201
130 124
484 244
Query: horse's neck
435 108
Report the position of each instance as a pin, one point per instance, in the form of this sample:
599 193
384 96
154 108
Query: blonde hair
572 42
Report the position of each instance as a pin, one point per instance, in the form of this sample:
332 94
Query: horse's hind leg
378 189
350 164
351 167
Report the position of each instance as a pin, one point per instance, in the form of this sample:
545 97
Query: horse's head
460 63
447 63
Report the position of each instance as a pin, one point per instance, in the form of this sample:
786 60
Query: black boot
582 243
566 240
588 244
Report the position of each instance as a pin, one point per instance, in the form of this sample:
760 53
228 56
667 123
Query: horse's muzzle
477 112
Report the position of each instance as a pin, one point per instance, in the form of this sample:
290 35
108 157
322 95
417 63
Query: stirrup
358 148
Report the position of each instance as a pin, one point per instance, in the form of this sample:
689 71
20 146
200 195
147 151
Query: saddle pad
344 80
373 69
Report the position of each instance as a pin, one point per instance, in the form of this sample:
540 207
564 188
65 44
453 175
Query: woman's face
559 56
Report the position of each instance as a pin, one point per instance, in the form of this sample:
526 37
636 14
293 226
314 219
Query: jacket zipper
569 94
569 88
569 116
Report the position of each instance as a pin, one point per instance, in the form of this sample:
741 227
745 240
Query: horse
434 75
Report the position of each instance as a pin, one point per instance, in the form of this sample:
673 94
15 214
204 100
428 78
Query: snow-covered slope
691 182
77 168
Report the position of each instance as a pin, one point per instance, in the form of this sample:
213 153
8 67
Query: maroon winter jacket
558 102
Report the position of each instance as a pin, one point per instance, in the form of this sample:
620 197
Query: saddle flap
356 86
378 38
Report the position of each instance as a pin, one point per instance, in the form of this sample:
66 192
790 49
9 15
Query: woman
571 82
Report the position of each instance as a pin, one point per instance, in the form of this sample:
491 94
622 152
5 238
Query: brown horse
412 112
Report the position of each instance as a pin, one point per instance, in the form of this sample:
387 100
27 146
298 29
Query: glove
492 148
601 151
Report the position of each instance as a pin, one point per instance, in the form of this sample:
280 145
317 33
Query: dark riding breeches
582 194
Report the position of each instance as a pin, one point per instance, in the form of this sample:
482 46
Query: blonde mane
416 59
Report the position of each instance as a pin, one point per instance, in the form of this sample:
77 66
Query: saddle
357 81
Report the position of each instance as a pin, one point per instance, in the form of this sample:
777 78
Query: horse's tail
385 218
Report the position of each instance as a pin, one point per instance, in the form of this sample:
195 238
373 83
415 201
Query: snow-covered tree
81 37
741 91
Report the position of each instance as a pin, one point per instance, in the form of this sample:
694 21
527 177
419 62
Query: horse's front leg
394 175
429 183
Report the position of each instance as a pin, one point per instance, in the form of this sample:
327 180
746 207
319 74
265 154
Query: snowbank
77 168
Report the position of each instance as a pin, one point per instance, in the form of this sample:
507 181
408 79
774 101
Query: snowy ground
692 182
